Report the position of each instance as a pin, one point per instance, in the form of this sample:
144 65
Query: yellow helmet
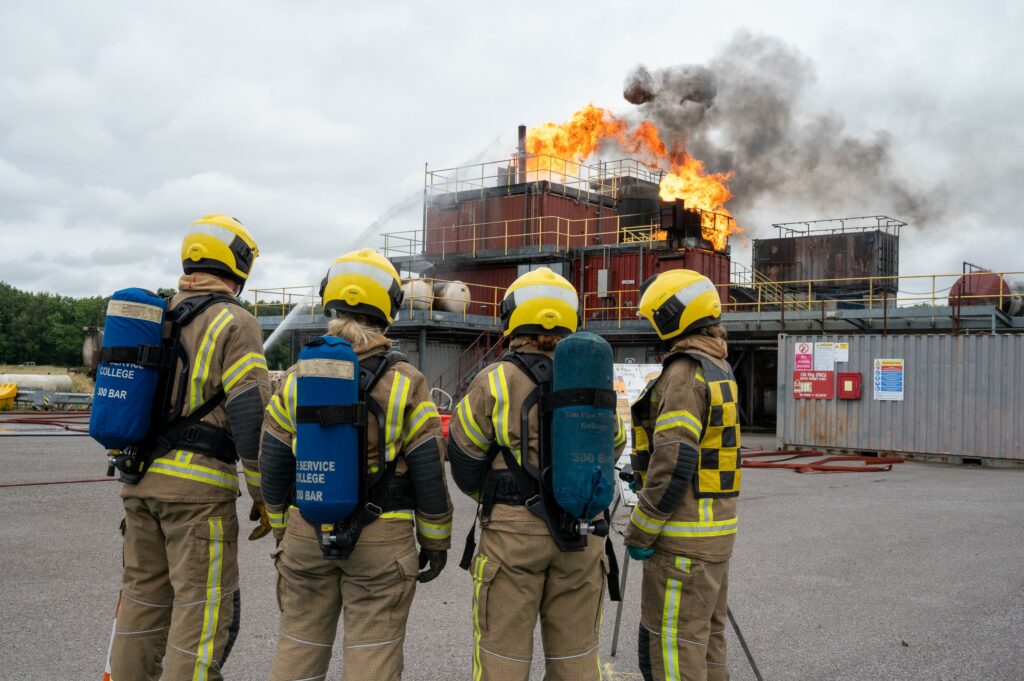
362 282
678 302
540 303
220 245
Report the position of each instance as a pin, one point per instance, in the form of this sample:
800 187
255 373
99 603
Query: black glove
436 559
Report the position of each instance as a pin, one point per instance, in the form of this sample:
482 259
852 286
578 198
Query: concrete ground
917 573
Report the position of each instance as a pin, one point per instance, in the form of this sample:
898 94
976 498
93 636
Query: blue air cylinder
582 436
122 402
327 457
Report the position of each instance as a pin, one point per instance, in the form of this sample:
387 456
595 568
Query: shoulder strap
187 310
533 364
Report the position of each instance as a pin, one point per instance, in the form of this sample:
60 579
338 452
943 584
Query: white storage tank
418 294
59 383
451 296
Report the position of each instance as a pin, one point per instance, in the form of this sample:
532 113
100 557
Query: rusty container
851 257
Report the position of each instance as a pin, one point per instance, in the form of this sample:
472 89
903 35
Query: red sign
804 357
814 385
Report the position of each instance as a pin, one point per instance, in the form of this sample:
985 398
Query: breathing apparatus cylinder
328 439
128 373
583 425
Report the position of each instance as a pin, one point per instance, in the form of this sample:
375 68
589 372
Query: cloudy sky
120 123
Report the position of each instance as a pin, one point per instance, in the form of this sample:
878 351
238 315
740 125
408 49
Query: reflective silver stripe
222 234
566 295
688 294
711 528
364 269
132 310
204 357
326 368
465 414
194 472
395 415
240 368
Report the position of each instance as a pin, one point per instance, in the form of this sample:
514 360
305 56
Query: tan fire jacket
697 528
490 413
224 344
412 435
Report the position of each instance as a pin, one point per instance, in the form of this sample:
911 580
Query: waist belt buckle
191 434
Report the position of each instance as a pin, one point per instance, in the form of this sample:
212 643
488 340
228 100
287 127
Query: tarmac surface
917 573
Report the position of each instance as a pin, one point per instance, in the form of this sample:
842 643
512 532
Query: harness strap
579 397
332 415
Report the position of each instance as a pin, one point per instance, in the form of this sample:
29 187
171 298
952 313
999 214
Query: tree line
47 328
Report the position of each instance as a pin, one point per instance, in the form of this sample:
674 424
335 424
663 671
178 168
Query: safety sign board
888 379
842 352
814 385
824 356
804 357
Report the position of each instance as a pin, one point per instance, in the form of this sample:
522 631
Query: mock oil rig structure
605 227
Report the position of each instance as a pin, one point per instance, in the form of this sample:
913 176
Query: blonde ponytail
348 327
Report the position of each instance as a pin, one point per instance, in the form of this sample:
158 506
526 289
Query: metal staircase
484 349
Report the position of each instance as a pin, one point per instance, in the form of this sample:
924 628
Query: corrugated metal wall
439 356
963 396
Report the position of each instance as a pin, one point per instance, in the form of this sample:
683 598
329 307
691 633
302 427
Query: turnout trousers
517 577
682 619
372 590
180 604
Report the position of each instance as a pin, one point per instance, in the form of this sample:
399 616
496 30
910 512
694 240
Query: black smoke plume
745 111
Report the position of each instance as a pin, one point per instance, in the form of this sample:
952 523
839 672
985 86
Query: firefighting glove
436 560
634 485
637 553
259 512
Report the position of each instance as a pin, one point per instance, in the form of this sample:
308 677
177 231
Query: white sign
888 379
824 356
842 352
630 381
804 357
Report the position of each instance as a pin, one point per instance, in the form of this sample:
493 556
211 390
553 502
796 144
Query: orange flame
563 147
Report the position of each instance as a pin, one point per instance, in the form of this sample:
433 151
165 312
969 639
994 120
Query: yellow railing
283 300
546 232
927 290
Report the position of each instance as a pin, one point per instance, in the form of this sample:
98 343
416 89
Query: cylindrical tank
989 288
91 348
417 293
60 383
451 296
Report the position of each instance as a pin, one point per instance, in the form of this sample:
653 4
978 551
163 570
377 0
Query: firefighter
374 586
520 572
179 609
686 444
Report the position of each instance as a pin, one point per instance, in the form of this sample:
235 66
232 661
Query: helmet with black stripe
679 302
362 282
219 245
540 303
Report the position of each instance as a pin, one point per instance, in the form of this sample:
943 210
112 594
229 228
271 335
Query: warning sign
814 385
804 357
888 379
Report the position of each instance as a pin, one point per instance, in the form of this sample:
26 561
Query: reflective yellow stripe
252 478
278 521
397 515
674 419
211 609
669 629
478 581
419 417
645 522
707 514
700 375
201 366
434 530
469 426
191 471
280 415
711 528
395 415
620 431
291 399
683 563
499 391
239 369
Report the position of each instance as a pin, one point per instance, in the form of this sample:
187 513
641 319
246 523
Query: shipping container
844 255
617 292
929 396
536 219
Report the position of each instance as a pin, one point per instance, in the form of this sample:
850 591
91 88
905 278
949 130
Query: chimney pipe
521 155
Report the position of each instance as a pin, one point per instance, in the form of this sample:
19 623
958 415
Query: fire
572 141
563 147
